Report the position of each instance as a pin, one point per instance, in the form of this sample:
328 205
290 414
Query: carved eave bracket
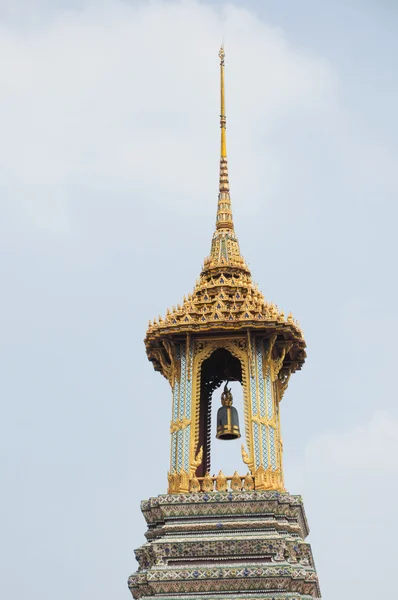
282 356
283 382
286 350
163 359
287 345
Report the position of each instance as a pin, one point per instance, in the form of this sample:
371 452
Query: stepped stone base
225 545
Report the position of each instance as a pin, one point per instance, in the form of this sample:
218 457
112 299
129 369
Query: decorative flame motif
221 483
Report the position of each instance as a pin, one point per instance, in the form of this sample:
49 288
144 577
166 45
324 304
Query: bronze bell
227 418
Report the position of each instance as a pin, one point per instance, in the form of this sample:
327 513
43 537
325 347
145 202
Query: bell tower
221 536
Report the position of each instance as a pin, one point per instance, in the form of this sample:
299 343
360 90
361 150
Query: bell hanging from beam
227 418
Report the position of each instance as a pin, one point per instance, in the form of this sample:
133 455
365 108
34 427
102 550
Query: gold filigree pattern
248 484
264 421
225 299
207 483
221 482
246 458
283 382
268 479
277 363
197 462
204 349
179 424
236 482
194 485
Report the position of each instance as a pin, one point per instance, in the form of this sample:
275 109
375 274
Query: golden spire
223 299
224 250
223 118
224 212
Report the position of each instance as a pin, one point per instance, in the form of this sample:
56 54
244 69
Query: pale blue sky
108 191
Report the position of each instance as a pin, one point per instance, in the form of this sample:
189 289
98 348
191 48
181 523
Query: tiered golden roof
225 297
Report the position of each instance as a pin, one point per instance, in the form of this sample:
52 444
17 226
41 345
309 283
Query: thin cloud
124 97
370 447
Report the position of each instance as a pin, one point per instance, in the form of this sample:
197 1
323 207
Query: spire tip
224 213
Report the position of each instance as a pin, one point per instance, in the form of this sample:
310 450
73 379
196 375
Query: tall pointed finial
225 250
223 118
224 212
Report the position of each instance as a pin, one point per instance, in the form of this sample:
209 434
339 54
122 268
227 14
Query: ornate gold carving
167 369
226 397
184 482
268 479
259 478
200 345
197 462
249 347
240 343
221 482
194 485
248 483
283 382
207 483
179 424
246 458
268 352
262 479
204 349
188 356
236 482
179 483
174 483
247 408
169 347
225 298
277 363
264 421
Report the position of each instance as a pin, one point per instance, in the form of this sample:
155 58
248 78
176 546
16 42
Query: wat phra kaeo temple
238 535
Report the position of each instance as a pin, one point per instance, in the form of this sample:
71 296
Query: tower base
224 546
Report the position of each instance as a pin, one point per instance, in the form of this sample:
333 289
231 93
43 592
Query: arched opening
220 367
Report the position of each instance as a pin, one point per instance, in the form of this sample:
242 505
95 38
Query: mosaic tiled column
266 452
180 427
